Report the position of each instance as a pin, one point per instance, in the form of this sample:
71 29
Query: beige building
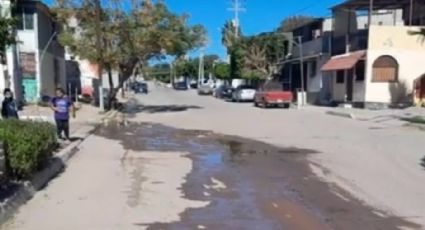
379 64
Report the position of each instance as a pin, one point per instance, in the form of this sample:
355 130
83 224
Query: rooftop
377 4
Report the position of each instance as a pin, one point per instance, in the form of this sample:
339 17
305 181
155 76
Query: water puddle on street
246 184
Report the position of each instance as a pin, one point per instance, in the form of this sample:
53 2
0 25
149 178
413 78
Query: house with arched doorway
377 65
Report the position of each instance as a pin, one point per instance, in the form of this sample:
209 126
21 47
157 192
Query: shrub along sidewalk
28 146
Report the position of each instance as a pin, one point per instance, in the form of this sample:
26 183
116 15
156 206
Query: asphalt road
181 161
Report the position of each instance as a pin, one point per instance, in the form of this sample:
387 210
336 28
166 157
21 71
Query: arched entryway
420 90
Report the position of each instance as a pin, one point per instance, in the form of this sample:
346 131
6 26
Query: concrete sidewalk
86 121
87 117
385 117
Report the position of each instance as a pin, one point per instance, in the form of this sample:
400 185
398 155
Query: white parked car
243 93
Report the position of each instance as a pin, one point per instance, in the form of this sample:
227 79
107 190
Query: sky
259 16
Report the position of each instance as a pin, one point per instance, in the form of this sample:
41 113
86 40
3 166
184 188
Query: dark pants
62 126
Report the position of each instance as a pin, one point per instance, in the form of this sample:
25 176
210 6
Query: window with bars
385 69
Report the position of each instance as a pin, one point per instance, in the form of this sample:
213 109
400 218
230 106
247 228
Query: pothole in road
248 184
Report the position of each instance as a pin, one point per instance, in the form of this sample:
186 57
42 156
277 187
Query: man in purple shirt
62 106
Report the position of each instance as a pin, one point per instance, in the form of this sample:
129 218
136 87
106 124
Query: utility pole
236 8
369 20
411 13
201 68
300 46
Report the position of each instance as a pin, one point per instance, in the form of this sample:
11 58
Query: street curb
57 165
341 114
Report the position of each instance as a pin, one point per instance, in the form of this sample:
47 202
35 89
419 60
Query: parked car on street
180 85
222 91
272 94
206 89
228 94
243 93
193 84
139 87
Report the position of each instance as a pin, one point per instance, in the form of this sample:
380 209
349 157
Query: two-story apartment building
36 64
312 47
319 40
376 61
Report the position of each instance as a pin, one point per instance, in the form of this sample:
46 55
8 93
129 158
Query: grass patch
414 120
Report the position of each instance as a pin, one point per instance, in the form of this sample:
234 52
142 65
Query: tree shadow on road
423 162
151 109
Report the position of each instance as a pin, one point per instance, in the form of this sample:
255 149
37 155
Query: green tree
7 37
228 34
159 71
209 61
290 23
222 71
237 60
124 35
187 68
235 48
264 51
420 32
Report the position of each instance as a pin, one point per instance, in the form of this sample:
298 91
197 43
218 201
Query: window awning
344 62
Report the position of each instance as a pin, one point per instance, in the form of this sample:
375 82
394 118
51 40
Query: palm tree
420 32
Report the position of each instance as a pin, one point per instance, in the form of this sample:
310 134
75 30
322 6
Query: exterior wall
359 90
314 83
50 75
382 17
317 50
339 90
408 50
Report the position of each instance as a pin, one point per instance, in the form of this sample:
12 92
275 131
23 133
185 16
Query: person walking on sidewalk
9 107
62 106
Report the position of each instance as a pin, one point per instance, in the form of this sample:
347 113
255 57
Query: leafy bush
28 145
416 120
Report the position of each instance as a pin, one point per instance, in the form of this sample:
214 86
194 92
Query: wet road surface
247 184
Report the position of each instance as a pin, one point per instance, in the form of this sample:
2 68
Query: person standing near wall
62 106
9 107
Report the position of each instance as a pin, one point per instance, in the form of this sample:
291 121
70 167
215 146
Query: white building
36 64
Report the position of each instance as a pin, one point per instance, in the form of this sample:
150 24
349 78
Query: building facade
36 64
312 48
377 64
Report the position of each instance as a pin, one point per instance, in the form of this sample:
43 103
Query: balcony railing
356 41
313 47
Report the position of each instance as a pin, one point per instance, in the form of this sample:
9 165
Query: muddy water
250 184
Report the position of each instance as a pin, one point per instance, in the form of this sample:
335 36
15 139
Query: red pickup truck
272 94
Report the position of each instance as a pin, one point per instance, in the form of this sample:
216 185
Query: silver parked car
205 90
243 93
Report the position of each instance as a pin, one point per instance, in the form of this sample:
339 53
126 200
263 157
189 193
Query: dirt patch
251 184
